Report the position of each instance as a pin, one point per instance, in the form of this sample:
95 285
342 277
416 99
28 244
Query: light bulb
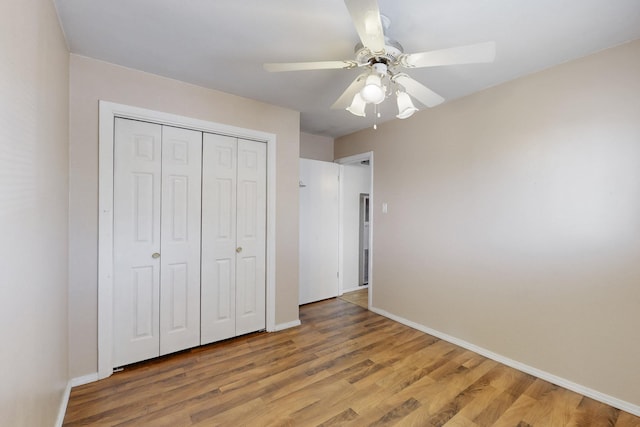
373 92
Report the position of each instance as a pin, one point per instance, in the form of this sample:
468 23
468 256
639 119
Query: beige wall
34 117
93 80
514 219
316 147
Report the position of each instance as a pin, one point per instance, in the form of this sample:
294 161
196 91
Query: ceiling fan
382 60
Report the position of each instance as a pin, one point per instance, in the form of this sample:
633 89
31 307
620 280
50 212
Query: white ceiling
222 44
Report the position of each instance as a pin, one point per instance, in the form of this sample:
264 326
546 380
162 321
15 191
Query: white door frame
108 112
357 158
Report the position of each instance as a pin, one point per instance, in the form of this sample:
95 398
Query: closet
188 215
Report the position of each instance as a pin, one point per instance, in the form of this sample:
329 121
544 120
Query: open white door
319 232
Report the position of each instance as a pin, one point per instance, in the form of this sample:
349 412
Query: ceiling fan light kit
358 106
383 57
373 91
405 105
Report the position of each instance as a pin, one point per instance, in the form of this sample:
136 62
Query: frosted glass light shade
357 106
405 106
373 92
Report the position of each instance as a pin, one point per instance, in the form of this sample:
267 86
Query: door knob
239 249
155 255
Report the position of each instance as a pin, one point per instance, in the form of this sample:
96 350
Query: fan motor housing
390 56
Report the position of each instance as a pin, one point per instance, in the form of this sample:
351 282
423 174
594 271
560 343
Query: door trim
108 111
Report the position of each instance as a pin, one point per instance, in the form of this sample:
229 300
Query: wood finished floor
344 366
359 297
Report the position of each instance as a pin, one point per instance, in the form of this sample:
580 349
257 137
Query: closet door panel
251 237
218 286
137 195
180 244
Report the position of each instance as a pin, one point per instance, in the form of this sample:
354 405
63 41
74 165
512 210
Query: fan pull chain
377 114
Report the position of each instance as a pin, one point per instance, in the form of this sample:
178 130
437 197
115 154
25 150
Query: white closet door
233 237
251 237
218 289
137 187
180 239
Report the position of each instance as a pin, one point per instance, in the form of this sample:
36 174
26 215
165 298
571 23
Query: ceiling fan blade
365 15
469 54
301 66
347 96
420 92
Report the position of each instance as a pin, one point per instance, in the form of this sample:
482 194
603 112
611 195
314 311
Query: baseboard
562 382
283 326
85 379
62 410
73 382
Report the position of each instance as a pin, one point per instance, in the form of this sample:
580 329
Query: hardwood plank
555 407
454 406
397 413
343 366
591 412
346 415
501 403
625 419
482 395
516 412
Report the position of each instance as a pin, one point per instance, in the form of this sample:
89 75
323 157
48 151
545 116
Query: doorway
363 246
356 224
